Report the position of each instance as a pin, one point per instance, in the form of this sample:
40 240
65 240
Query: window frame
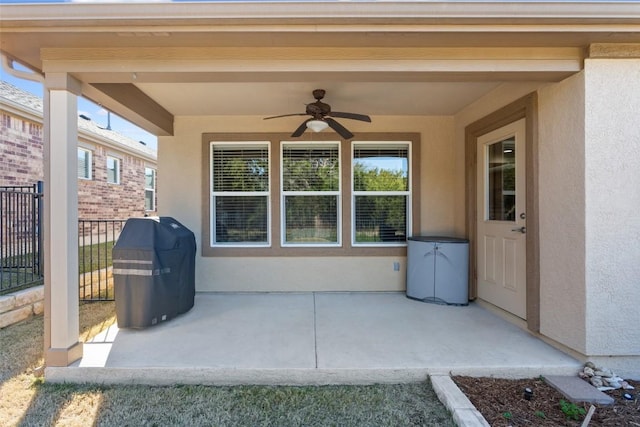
213 194
274 139
151 189
88 162
118 169
408 193
283 194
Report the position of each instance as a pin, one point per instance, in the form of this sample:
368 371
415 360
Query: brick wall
20 151
98 199
21 163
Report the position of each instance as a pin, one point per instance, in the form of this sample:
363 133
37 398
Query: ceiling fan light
317 125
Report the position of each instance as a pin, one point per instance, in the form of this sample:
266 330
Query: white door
501 223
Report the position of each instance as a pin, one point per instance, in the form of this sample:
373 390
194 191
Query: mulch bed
502 403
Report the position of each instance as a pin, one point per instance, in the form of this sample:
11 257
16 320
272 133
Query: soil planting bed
502 403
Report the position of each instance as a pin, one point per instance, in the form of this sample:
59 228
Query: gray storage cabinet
153 271
438 269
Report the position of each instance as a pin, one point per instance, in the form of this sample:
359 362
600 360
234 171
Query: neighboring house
116 175
513 124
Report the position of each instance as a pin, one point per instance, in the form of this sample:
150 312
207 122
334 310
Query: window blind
113 170
311 191
84 163
240 169
380 193
310 169
240 196
380 168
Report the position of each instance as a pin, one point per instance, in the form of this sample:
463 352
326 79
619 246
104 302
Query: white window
240 198
113 170
310 202
381 193
84 163
149 189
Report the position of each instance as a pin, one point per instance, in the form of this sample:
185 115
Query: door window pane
501 180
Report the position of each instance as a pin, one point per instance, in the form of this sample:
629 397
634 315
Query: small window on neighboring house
311 194
84 163
381 193
149 189
113 170
240 197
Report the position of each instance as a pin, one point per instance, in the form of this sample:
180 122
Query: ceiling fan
322 117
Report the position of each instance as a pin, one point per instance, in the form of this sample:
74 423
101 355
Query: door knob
521 229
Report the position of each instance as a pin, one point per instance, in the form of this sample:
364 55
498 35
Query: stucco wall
562 209
494 100
612 159
181 197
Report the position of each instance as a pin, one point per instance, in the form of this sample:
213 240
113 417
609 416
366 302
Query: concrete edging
461 408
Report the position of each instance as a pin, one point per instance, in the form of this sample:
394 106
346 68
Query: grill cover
153 271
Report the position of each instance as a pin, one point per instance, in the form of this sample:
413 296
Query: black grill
153 271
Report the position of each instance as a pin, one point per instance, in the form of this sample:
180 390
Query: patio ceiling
273 98
152 62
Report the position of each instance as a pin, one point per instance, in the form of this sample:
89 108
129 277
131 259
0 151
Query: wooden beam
126 100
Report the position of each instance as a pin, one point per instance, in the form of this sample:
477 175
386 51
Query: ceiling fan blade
352 116
300 129
285 115
339 128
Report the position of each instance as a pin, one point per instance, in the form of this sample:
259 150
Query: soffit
272 80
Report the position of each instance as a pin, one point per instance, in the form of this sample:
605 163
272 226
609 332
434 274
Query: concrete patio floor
315 338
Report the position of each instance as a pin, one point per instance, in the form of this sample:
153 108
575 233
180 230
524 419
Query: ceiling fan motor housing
318 109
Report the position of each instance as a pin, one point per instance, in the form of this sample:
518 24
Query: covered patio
458 93
315 338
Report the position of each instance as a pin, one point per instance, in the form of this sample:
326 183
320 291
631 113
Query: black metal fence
21 248
96 238
21 264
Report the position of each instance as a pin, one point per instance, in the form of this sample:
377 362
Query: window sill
257 252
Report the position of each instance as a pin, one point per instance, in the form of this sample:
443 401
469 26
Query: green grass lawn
95 257
29 401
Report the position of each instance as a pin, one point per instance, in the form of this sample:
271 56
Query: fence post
40 190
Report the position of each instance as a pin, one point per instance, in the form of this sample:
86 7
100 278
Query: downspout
8 66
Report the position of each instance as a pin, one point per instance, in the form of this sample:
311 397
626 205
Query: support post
62 346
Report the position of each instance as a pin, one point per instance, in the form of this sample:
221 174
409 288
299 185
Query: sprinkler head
528 393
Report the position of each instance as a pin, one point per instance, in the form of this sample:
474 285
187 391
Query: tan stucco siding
182 169
562 208
612 187
494 100
301 274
